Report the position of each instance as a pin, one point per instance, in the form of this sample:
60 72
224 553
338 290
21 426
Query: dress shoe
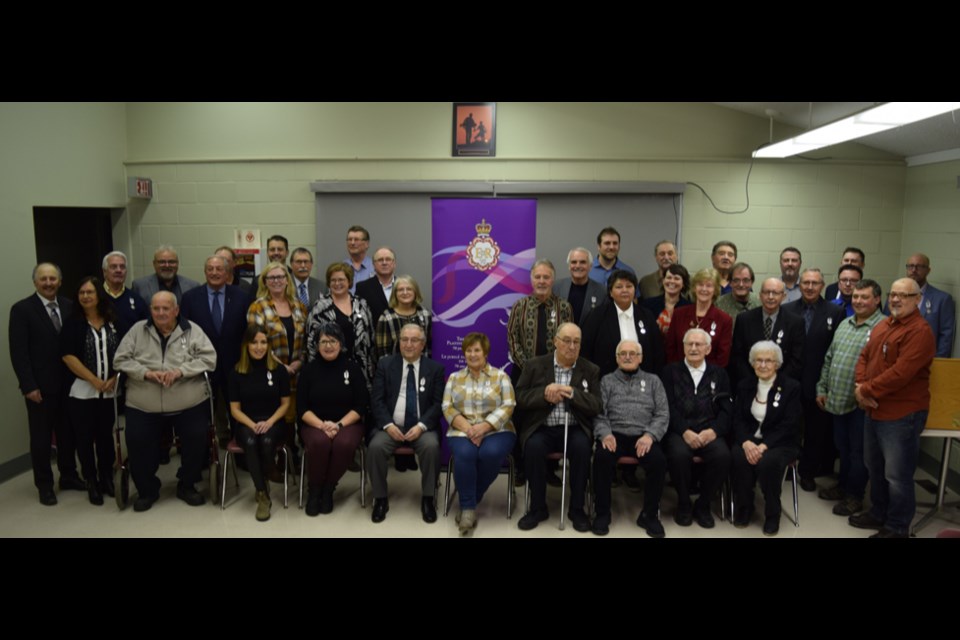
886 533
683 516
554 480
107 488
263 506
865 520
771 525
848 507
532 519
380 508
579 520
808 484
143 503
190 495
48 497
312 507
833 493
601 525
93 493
742 517
428 510
704 518
467 521
651 524
74 483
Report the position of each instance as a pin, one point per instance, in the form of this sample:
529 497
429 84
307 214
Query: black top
259 391
77 339
346 325
332 389
289 328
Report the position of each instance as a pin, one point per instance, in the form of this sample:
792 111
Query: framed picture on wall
475 129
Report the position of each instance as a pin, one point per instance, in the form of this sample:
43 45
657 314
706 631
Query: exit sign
139 188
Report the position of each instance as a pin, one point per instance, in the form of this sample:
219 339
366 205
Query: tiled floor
74 516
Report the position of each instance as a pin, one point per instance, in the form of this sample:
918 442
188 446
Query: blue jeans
891 449
475 468
848 438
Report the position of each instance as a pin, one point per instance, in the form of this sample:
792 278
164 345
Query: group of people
696 374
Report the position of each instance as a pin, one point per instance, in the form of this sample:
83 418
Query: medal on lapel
643 386
713 329
643 329
776 398
779 336
269 379
423 384
346 377
829 324
585 388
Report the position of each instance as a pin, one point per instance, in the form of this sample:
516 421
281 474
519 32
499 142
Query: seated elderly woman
478 403
703 314
164 359
766 435
259 391
331 400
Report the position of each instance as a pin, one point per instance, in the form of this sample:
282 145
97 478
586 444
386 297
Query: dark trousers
819 451
547 440
654 466
259 449
92 422
328 459
144 431
44 420
768 472
714 468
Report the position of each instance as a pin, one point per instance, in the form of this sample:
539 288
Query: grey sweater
632 406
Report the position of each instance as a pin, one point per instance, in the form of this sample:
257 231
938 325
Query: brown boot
263 506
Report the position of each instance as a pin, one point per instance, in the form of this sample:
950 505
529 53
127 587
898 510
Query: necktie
767 328
55 316
217 312
410 417
304 298
807 317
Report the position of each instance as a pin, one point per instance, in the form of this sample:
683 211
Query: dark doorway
75 239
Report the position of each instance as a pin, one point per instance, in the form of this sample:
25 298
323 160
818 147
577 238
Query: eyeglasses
894 295
328 343
917 267
570 342
276 278
848 281
628 354
765 362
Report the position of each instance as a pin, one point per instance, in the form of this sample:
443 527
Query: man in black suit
220 310
406 408
767 322
851 255
35 324
305 286
551 387
820 320
376 291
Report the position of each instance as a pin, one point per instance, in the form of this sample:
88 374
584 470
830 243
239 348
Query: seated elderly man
163 359
699 397
552 388
635 417
406 406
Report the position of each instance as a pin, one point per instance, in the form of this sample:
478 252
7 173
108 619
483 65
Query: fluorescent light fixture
865 123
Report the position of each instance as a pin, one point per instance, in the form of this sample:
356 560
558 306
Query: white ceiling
939 136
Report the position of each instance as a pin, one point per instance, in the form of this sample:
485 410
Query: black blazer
781 426
537 373
35 346
236 301
601 335
371 291
826 318
705 407
386 391
787 332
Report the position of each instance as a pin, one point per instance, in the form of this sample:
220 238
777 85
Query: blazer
938 309
787 332
35 346
826 318
601 335
595 297
585 404
781 425
386 392
315 289
149 285
371 291
235 303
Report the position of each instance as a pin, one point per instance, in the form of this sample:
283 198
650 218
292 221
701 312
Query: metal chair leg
446 489
223 488
363 477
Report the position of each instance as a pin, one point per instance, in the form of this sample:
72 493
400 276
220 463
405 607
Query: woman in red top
704 315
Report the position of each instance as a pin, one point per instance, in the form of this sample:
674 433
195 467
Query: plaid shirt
840 362
488 398
388 331
263 313
560 376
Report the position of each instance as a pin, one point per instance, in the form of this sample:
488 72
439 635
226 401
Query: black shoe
683 516
519 478
380 508
399 463
554 480
579 520
651 524
190 495
848 507
326 498
312 507
865 520
107 488
601 525
833 493
93 493
143 503
741 519
412 463
808 484
704 518
630 479
48 497
532 519
74 483
886 533
771 525
428 510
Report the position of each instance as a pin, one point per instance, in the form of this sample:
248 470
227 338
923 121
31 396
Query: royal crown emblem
483 253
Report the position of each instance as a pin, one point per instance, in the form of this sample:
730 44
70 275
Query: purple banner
483 250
